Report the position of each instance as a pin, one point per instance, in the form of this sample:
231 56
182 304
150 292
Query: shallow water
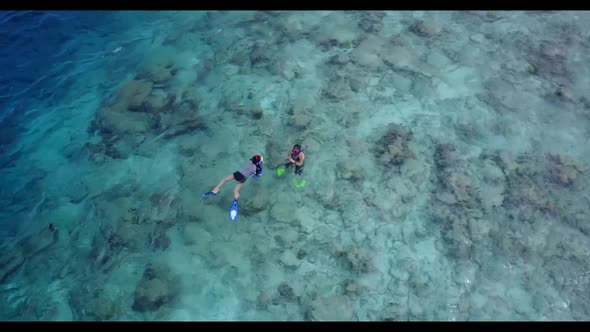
446 173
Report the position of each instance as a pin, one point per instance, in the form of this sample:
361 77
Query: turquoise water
446 173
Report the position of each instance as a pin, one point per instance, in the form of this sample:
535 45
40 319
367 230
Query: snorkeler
253 168
296 157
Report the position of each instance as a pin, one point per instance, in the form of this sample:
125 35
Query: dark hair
298 146
256 159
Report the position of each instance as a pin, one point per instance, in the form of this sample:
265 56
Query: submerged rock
550 60
180 121
339 59
160 239
562 170
34 244
158 73
370 26
195 234
138 112
256 204
336 89
286 292
157 287
456 204
300 118
289 260
10 261
128 235
192 97
256 112
359 261
265 298
287 238
367 54
260 55
159 102
371 21
118 119
351 287
424 29
132 95
102 308
283 212
350 171
335 308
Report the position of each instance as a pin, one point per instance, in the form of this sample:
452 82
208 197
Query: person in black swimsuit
296 157
252 168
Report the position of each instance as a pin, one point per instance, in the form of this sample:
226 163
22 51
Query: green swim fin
298 184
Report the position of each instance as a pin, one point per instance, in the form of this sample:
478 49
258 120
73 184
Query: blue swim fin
207 194
233 211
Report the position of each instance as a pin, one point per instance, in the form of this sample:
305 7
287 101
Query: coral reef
550 60
458 209
474 200
158 73
392 148
337 89
356 260
140 111
371 21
